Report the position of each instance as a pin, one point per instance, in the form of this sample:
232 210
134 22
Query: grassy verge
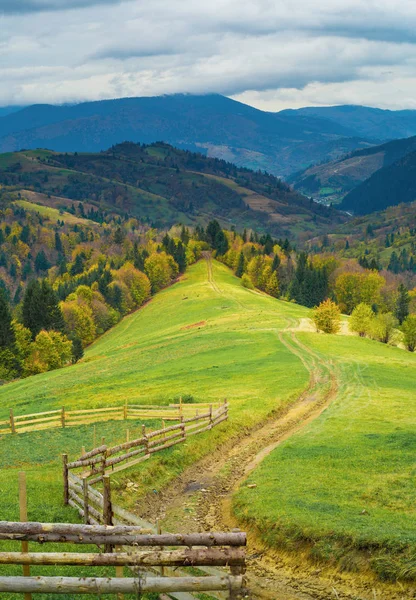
345 485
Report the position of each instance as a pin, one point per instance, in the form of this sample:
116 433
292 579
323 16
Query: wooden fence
106 460
136 549
67 418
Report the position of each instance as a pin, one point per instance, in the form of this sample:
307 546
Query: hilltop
212 124
162 186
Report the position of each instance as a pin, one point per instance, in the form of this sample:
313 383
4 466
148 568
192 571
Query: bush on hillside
382 327
361 319
409 333
327 317
246 282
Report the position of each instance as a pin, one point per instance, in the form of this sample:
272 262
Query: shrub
327 317
382 327
361 318
409 333
246 282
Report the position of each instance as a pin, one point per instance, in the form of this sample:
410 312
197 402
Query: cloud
273 54
14 7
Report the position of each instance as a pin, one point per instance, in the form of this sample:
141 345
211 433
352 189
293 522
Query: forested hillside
333 180
389 186
162 186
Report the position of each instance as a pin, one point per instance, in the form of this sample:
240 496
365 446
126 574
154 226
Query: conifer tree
240 266
7 337
40 309
401 310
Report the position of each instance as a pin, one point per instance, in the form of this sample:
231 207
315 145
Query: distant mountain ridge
277 142
367 122
389 186
333 180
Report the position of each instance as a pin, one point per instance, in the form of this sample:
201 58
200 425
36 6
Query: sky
270 54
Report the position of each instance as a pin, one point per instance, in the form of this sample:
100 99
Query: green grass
154 356
346 483
53 213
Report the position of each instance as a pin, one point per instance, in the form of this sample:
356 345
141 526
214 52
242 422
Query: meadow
206 338
344 487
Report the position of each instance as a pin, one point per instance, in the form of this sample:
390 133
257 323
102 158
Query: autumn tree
327 317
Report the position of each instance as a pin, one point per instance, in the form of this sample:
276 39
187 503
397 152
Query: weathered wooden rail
68 418
144 550
106 460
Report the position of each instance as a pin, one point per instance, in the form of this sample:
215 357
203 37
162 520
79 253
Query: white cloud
271 54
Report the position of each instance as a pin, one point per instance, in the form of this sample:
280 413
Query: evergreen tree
401 310
58 242
40 308
10 366
213 229
221 243
276 262
77 349
240 265
7 337
78 265
41 262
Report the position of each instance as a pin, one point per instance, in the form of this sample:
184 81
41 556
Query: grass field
346 483
206 336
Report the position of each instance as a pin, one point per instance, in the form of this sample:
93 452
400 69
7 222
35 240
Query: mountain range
281 143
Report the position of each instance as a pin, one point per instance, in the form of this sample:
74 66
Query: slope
388 186
345 491
213 124
163 185
333 180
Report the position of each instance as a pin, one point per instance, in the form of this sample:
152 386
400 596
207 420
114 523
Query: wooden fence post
119 573
183 428
159 532
23 518
85 497
146 441
65 476
210 416
12 425
103 441
63 416
107 508
180 406
83 451
125 411
127 435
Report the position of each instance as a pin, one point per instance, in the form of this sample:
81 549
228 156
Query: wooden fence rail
144 550
67 418
108 460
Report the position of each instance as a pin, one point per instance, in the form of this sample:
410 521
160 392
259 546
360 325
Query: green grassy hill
206 336
210 338
344 486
